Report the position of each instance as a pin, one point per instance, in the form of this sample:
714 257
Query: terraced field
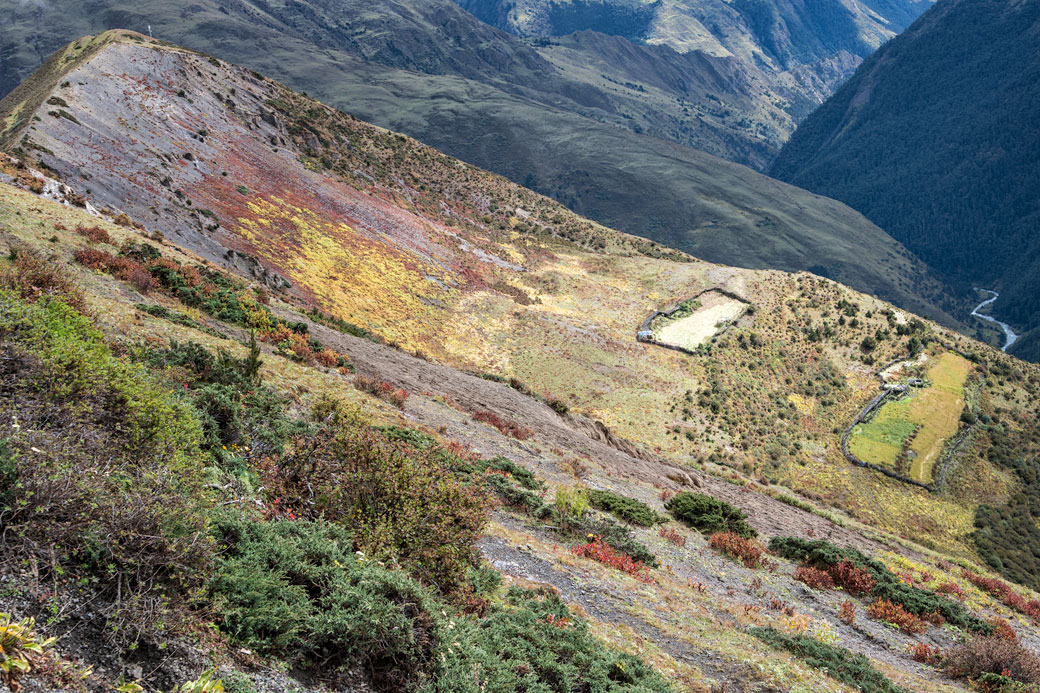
908 434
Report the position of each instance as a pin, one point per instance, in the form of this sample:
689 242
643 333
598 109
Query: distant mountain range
602 124
936 139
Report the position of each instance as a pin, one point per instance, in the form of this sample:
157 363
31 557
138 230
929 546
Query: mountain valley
305 404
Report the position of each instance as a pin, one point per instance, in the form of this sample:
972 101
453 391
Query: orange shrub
889 612
327 357
747 551
1003 630
814 577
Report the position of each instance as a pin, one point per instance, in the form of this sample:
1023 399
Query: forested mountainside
936 140
293 402
431 70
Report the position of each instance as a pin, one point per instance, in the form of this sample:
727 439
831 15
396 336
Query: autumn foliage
890 612
747 551
382 389
814 577
509 428
1005 594
603 552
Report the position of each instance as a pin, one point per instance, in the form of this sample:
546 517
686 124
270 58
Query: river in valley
1009 335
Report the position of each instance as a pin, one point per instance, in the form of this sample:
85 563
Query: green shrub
236 410
847 667
571 504
297 590
400 434
523 476
709 514
534 643
822 554
623 507
515 497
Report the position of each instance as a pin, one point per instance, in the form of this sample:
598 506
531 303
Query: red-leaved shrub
847 612
34 276
814 577
951 589
382 389
603 552
747 551
924 653
509 428
94 234
853 580
671 535
1003 592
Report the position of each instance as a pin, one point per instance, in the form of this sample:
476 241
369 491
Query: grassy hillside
563 119
445 387
935 140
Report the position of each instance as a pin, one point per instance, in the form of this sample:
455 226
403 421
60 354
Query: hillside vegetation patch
709 514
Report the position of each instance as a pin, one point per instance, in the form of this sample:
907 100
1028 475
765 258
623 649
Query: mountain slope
935 139
688 200
448 324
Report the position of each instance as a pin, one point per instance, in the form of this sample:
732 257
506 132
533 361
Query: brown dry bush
993 655
94 234
34 276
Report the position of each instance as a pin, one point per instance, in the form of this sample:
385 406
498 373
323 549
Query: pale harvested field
693 330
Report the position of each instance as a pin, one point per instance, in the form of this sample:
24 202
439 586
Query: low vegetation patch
505 426
624 508
814 577
603 552
708 514
1005 594
397 502
176 318
994 661
847 667
100 459
382 389
890 612
747 551
923 603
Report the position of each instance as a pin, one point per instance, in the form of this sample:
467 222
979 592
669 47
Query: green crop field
927 419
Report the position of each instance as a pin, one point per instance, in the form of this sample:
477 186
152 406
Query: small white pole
150 31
